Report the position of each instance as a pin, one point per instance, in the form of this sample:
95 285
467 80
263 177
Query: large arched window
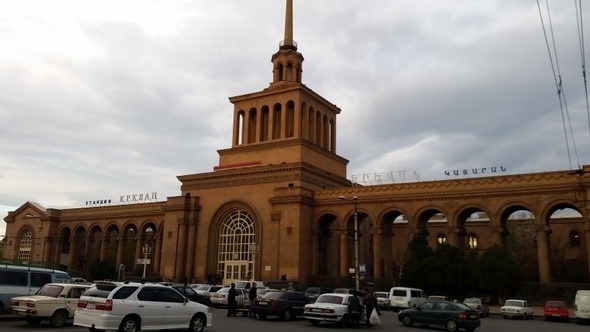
25 245
441 239
237 247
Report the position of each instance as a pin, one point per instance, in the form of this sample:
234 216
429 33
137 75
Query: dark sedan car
286 305
190 294
452 316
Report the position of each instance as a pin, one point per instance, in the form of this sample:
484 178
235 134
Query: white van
405 297
245 284
18 280
582 306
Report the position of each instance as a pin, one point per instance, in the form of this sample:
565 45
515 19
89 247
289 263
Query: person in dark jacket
370 302
252 294
355 308
232 304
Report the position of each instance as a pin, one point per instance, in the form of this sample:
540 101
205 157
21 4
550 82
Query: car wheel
58 319
345 320
33 320
451 326
470 329
505 317
407 321
197 324
129 324
287 315
261 316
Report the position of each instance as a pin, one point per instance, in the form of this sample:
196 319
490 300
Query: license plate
473 316
263 303
91 306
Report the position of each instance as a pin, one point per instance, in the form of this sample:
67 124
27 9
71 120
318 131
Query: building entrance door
235 270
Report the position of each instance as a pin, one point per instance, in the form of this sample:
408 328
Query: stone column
181 251
456 237
543 252
190 251
343 254
120 247
377 234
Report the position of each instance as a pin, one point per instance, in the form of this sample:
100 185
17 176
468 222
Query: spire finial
288 41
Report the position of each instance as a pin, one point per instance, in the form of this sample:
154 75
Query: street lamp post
356 242
145 250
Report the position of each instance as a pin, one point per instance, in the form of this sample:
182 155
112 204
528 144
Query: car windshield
313 291
382 295
462 306
513 303
471 301
330 299
50 290
273 295
189 291
555 305
204 288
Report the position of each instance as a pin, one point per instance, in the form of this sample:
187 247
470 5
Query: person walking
354 310
231 300
370 302
252 294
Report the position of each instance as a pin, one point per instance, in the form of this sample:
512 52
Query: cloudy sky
104 98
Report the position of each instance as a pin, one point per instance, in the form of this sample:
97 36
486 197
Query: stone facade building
280 204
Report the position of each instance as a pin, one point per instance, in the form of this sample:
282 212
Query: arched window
472 241
237 247
574 239
441 239
25 245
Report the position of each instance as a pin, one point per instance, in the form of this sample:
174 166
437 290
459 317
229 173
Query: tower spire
288 41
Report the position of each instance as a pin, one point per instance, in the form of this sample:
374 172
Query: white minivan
405 297
582 306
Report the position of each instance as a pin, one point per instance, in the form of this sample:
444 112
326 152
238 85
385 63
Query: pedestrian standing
231 300
354 309
252 294
370 302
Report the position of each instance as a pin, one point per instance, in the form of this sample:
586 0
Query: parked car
332 308
452 316
260 292
478 304
56 302
207 289
219 298
78 280
346 291
382 299
286 305
192 295
312 293
556 310
438 297
516 308
133 307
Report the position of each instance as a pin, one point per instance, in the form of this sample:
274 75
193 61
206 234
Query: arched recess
365 241
568 254
237 250
147 244
326 248
520 238
392 222
431 218
111 243
304 121
92 248
252 124
277 121
129 237
64 244
469 225
239 127
290 117
77 260
264 123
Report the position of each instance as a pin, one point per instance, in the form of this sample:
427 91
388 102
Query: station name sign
125 199
138 198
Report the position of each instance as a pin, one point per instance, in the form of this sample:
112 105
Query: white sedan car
219 298
330 307
516 308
